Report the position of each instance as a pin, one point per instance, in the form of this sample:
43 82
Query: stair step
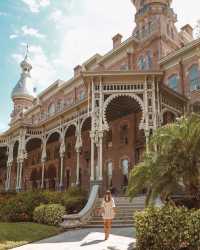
114 222
125 210
117 217
113 226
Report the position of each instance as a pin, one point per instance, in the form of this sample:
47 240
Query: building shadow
91 243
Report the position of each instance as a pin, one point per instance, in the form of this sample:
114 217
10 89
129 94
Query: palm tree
173 162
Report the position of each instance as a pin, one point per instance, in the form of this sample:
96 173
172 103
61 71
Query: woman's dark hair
107 197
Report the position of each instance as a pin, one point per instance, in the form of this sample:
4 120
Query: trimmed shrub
76 191
49 214
73 204
53 197
13 211
20 206
167 228
193 224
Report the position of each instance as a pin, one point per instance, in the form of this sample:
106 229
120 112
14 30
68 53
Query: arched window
149 60
51 109
125 171
110 173
150 25
173 82
82 95
125 165
142 63
59 106
194 77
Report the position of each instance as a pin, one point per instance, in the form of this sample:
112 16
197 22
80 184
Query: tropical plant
167 228
172 163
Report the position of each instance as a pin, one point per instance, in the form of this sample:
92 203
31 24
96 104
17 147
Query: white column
92 157
43 169
147 134
7 177
155 112
100 134
20 175
92 134
43 160
17 177
77 166
61 169
146 127
100 156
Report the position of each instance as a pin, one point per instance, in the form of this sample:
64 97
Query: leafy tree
172 164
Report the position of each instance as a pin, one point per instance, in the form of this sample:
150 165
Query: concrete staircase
124 212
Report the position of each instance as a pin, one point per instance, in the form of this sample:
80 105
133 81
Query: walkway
86 239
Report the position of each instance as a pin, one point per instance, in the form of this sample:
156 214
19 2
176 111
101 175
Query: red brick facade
156 51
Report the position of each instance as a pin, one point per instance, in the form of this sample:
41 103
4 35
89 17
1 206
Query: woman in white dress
108 212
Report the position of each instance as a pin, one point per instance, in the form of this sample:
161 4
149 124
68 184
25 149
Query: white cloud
27 31
13 36
36 5
90 31
3 14
57 17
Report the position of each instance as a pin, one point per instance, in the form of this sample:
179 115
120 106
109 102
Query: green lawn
17 234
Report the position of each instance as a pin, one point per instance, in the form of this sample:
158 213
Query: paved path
86 239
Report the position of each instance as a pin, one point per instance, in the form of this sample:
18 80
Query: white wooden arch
167 110
68 126
83 120
114 96
51 133
33 137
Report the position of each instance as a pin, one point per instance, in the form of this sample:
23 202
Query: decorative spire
27 51
25 64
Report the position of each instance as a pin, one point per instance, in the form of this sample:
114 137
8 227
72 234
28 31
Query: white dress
108 213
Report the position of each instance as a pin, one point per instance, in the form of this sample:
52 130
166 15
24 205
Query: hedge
50 214
20 206
167 228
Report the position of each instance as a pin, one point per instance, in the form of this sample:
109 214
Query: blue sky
62 34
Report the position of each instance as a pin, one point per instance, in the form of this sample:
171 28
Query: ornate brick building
95 126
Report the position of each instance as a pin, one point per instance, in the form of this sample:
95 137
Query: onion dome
24 87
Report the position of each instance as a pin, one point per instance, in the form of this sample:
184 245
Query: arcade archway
124 116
